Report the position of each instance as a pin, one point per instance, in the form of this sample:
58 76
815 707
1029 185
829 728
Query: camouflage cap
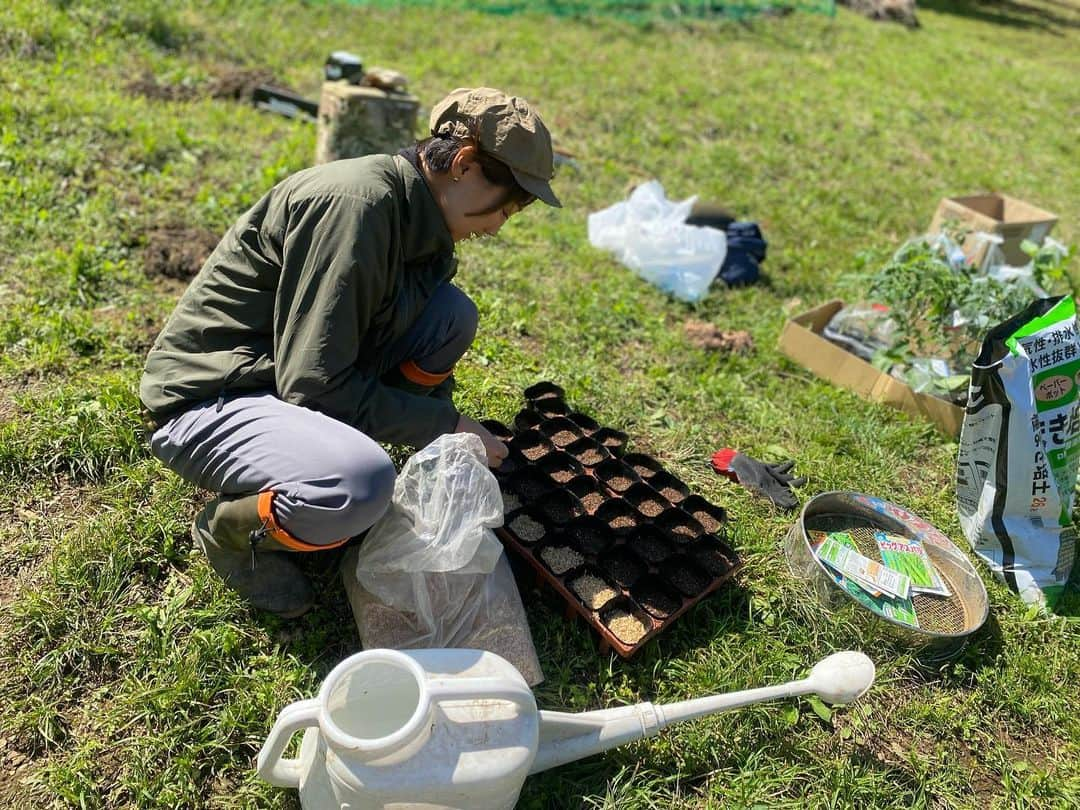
509 129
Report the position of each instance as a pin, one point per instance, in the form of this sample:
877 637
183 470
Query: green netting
636 10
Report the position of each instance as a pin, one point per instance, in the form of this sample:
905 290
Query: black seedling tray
613 534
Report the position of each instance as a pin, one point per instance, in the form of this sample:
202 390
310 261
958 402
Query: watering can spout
838 679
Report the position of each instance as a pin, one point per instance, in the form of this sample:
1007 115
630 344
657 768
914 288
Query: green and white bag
1018 450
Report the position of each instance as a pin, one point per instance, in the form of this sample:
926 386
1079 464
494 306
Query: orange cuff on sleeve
414 374
266 515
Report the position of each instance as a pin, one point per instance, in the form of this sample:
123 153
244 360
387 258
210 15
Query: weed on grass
131 678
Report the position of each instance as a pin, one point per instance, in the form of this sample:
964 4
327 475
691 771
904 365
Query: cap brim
539 188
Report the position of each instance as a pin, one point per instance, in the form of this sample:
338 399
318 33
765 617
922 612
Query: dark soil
713 561
177 251
530 488
557 511
687 579
230 83
657 602
707 336
623 569
590 540
650 549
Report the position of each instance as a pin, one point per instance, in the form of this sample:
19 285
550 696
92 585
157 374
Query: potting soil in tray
628 556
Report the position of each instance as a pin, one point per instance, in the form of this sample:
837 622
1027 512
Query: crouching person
325 323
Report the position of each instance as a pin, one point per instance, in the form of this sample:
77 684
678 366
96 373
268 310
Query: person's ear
463 162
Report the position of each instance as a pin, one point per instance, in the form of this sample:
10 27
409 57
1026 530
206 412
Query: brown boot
259 571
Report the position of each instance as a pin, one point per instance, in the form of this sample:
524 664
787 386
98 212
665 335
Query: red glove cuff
721 462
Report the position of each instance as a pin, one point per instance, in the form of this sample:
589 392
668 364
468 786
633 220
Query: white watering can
459 729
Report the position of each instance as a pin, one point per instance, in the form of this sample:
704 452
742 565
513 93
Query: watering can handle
481 689
271 767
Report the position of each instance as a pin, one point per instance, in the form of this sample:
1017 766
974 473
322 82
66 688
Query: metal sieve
945 622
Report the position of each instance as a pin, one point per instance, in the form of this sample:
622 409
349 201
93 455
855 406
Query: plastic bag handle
293 718
439 689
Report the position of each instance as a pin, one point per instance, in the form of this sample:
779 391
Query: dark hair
439 151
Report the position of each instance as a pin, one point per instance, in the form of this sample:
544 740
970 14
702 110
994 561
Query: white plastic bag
648 233
430 572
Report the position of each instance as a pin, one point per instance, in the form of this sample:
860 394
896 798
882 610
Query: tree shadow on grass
1011 13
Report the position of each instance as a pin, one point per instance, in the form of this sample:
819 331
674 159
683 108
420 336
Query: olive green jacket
303 296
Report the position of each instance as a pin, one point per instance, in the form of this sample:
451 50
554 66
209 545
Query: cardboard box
801 340
1011 219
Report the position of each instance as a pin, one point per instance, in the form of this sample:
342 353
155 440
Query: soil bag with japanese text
1016 473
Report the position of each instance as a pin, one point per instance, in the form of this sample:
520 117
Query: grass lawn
129 677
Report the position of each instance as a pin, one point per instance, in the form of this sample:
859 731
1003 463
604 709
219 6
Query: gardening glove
772 481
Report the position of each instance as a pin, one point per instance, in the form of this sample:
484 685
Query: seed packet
900 610
907 555
846 540
853 564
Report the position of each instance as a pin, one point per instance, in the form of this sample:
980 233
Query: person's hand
496 450
772 481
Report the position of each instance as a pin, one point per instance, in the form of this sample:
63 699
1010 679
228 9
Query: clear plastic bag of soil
431 573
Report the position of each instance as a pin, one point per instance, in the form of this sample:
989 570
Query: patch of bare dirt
708 336
177 251
227 83
15 767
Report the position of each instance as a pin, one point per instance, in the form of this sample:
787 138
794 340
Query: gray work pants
330 481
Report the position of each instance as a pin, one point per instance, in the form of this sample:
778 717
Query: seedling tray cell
613 440
590 536
650 545
588 425
544 390
645 466
658 598
532 445
649 503
588 451
558 507
562 468
679 526
497 429
530 484
615 475
712 518
551 407
561 431
670 487
624 543
589 491
619 516
526 419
